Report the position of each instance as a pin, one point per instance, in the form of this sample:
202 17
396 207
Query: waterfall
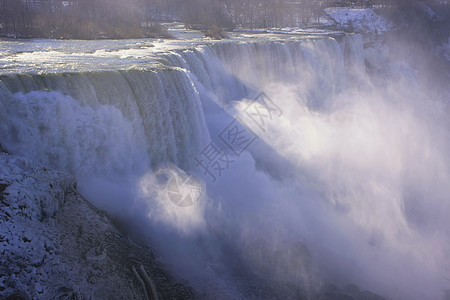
347 183
83 122
67 120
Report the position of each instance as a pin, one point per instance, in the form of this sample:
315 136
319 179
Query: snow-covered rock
55 245
361 19
35 192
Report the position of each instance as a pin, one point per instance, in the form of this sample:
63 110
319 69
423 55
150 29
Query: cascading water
347 183
153 106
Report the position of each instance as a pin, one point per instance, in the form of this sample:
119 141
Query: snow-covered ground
361 19
55 245
292 31
364 20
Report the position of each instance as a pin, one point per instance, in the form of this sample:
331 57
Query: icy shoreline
54 244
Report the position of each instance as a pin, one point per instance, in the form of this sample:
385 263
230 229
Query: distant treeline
83 19
89 19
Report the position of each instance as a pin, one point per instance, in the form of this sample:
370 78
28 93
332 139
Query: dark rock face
55 245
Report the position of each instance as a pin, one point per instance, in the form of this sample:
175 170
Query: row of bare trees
254 13
82 18
137 18
269 13
120 18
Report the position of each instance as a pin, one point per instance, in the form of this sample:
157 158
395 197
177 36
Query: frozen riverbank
55 245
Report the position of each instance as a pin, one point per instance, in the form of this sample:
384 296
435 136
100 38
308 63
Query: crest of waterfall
121 121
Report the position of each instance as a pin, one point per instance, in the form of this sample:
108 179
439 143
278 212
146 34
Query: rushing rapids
336 186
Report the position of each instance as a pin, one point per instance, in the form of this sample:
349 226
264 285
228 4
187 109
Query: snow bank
362 19
36 192
55 245
292 31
